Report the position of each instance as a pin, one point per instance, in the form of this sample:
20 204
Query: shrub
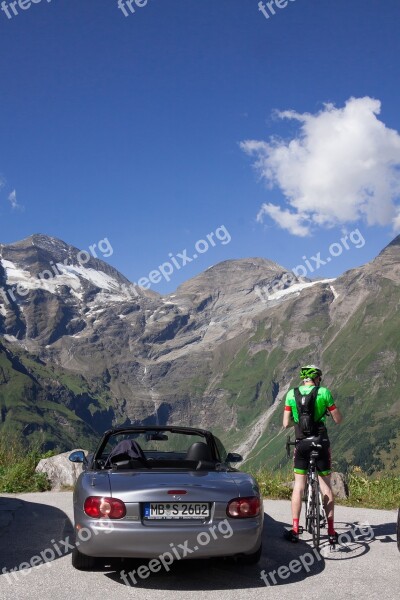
17 467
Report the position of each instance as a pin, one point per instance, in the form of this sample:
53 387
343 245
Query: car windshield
156 449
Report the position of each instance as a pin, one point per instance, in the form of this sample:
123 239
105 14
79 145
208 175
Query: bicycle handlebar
288 444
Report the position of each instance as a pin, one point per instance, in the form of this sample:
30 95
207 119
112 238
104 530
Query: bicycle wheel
314 514
398 530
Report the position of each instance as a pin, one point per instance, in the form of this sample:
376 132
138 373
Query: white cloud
343 166
285 218
13 199
396 222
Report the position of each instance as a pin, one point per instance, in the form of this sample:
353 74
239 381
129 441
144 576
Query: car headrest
199 451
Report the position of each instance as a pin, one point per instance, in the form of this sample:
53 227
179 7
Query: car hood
151 486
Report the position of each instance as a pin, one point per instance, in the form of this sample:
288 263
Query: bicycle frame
314 508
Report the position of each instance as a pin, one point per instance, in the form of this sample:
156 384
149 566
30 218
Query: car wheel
251 559
81 561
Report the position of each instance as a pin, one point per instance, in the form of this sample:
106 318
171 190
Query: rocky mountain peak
44 257
393 245
387 262
40 240
231 275
50 290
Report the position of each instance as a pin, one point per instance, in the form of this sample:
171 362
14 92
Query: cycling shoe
291 535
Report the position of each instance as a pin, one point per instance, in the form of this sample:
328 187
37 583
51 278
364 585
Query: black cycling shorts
302 456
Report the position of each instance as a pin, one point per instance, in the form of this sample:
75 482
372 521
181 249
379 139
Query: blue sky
130 128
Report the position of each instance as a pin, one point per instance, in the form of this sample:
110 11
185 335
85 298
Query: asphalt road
365 566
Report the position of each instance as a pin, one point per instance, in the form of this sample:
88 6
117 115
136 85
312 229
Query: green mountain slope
362 369
44 403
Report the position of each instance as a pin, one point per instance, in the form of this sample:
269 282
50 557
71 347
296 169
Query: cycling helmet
309 372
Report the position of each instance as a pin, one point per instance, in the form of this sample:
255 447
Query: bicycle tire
315 512
398 530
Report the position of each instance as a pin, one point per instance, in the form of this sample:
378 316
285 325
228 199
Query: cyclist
311 376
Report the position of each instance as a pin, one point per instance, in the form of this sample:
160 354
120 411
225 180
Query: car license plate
177 510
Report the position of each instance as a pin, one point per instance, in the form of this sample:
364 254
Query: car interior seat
199 451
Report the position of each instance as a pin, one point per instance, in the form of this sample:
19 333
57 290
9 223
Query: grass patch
381 492
273 484
17 467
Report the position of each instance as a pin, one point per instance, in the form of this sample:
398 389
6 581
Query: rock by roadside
339 486
60 471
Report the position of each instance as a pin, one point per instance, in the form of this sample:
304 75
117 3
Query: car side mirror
233 457
77 457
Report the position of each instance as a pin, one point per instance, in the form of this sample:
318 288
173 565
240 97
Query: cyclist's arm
288 417
336 415
332 408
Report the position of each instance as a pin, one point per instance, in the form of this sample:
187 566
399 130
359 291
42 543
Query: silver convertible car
164 492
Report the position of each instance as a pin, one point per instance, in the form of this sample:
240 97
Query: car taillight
99 507
241 508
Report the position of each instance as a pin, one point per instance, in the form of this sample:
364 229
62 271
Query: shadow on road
28 529
282 563
212 574
383 532
368 533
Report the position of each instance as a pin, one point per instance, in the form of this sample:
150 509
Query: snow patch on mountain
71 276
16 276
334 292
97 278
11 338
296 288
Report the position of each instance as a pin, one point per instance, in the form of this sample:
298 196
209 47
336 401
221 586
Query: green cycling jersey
323 402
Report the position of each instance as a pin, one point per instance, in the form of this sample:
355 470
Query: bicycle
314 509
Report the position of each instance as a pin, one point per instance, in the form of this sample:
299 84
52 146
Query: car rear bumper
124 539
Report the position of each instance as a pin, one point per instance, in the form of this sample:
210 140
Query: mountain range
82 349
